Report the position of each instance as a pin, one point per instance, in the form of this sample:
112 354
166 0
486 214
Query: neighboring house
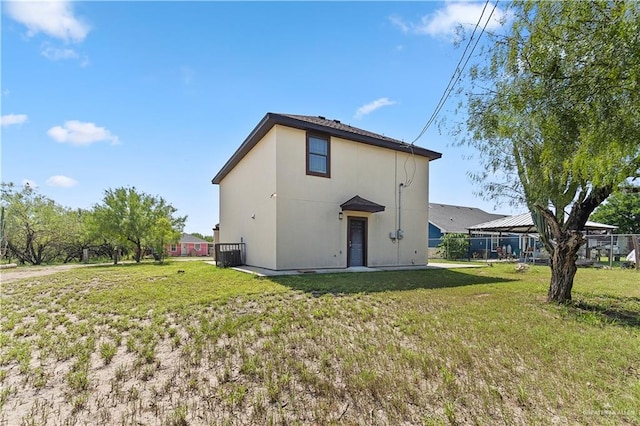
188 245
304 192
449 219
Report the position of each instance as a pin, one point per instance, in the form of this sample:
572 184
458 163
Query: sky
158 95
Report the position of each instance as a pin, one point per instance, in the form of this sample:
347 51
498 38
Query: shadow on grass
131 264
610 309
373 282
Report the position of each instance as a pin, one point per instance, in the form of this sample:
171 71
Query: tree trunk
39 255
138 254
563 267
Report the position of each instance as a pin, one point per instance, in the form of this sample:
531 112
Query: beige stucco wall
299 227
310 235
246 192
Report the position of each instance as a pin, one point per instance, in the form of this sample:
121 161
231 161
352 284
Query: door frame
365 239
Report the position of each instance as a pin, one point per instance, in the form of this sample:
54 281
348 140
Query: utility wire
455 77
457 73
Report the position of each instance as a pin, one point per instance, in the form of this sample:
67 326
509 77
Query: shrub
454 246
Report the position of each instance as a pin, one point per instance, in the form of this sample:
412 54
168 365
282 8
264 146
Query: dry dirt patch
7 276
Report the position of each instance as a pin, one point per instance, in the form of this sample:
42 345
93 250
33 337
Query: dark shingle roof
360 204
338 125
319 124
456 219
188 238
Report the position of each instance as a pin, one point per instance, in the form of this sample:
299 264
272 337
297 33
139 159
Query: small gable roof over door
360 204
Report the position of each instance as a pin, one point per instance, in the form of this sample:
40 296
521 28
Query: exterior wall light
340 215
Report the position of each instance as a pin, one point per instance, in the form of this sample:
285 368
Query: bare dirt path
10 275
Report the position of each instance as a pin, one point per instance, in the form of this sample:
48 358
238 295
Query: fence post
636 247
611 253
486 248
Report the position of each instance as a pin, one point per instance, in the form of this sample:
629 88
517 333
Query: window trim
173 247
196 246
326 138
495 242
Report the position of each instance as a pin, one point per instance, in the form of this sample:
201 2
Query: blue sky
158 95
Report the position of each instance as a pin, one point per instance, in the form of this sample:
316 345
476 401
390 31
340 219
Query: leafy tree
3 234
454 246
555 116
621 209
162 234
127 217
34 225
83 235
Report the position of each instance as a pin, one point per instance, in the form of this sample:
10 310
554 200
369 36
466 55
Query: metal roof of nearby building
457 219
523 223
318 124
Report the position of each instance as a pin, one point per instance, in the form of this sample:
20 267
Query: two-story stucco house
305 192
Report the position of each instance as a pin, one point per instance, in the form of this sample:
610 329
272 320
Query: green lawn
144 344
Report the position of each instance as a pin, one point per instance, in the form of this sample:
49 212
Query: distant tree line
621 209
36 230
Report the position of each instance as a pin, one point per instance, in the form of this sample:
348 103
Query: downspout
395 197
400 231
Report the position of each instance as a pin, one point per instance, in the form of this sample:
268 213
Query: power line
457 73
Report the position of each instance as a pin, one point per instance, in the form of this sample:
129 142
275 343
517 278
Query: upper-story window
318 155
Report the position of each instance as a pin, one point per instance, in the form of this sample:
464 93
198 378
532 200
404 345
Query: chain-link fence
612 250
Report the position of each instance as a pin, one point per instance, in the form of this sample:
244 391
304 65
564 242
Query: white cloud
56 54
54 18
399 22
30 183
61 181
78 133
445 22
372 106
11 119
